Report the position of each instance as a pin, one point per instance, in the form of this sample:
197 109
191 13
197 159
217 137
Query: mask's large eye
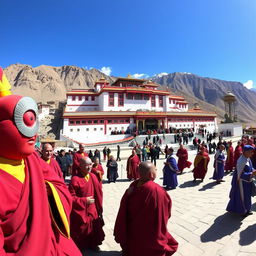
25 117
29 118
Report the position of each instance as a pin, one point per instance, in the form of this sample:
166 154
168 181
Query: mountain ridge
48 83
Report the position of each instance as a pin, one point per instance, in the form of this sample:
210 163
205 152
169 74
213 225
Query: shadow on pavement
101 253
248 235
223 225
118 180
189 184
208 186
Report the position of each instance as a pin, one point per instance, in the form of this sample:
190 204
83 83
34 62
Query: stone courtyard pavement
199 221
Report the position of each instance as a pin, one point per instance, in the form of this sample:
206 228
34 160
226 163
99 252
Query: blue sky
212 38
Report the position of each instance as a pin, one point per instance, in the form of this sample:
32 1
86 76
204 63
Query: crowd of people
87 175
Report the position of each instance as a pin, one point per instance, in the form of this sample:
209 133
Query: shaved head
85 165
47 151
147 171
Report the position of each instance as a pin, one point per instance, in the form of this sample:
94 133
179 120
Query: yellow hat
5 87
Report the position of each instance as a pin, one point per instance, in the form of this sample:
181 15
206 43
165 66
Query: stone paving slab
199 221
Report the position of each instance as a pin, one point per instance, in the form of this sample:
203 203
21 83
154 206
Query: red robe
26 225
200 165
86 220
76 159
132 167
54 164
98 171
230 159
141 223
183 162
237 154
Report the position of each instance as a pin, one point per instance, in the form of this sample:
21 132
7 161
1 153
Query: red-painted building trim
101 143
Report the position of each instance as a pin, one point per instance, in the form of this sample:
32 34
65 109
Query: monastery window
110 128
101 129
93 98
138 96
80 98
71 130
78 130
120 99
161 103
102 121
110 121
95 129
111 99
89 121
73 98
115 128
71 122
77 122
121 121
146 97
83 122
95 121
127 121
170 101
87 129
115 121
129 96
153 101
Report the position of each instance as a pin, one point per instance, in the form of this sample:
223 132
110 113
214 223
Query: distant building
43 110
125 106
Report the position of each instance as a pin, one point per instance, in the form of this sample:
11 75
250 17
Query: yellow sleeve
58 213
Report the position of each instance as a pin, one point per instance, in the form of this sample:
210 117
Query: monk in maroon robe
230 158
132 166
238 152
86 216
97 169
182 155
141 223
201 164
47 156
79 154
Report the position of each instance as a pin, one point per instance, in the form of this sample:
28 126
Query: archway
151 124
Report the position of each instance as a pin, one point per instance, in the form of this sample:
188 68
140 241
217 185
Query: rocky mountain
46 83
209 93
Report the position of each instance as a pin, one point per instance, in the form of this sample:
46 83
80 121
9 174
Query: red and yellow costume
35 203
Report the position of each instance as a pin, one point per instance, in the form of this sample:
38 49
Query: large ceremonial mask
18 122
35 202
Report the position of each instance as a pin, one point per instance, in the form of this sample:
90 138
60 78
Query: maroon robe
86 220
26 225
201 165
76 159
183 162
98 171
237 154
230 159
141 223
54 164
132 167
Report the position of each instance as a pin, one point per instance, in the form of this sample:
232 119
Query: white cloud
139 76
161 74
248 84
106 70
